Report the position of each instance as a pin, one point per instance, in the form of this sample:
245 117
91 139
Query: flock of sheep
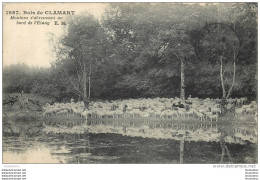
202 109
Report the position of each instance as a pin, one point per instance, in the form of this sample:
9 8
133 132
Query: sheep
254 103
157 113
168 106
208 114
238 102
49 112
213 116
145 115
247 106
62 112
170 114
216 110
199 115
190 112
239 111
174 113
77 111
231 101
250 110
85 114
135 112
203 109
163 114
181 112
243 100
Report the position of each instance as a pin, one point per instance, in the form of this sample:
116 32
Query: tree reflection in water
141 142
225 133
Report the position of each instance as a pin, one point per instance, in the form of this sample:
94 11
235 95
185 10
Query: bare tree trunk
233 82
84 83
182 96
85 86
89 81
221 78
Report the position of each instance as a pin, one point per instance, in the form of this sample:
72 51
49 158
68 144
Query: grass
23 121
42 100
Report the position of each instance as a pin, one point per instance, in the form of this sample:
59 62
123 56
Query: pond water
190 143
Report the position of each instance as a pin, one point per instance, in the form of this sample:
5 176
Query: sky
29 44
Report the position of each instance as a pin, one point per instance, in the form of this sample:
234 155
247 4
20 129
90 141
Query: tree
137 49
220 43
81 53
154 43
223 42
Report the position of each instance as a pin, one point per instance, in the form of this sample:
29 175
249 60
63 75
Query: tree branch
73 83
176 55
241 47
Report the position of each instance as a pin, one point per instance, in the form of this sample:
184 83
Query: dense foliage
135 50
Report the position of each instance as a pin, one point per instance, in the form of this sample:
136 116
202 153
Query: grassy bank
24 121
29 121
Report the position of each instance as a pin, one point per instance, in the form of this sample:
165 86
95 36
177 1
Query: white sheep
239 111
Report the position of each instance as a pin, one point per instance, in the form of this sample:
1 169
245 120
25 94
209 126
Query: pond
131 143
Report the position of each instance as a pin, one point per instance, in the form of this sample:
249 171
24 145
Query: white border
122 172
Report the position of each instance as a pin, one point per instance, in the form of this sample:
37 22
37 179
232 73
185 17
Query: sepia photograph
130 83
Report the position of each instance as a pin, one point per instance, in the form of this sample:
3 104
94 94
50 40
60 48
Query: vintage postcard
130 83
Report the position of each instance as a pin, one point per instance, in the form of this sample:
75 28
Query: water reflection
137 142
